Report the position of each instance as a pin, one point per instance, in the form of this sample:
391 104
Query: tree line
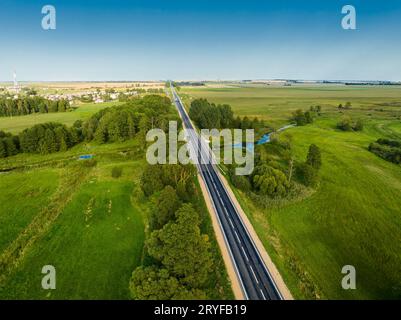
124 122
29 105
112 124
208 115
178 258
387 149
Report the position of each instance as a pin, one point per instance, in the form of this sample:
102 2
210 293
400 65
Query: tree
241 182
307 174
53 106
226 116
10 146
3 149
358 125
151 180
308 117
314 157
182 249
166 206
302 118
345 124
151 283
270 181
49 144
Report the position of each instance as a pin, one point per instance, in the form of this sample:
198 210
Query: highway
254 277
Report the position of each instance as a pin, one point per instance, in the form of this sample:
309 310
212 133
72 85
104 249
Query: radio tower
16 86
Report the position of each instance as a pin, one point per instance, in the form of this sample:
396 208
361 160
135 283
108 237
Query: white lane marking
262 294
231 222
236 234
243 250
254 275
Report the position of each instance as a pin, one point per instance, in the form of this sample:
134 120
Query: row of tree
28 105
178 254
389 150
208 115
302 118
124 122
347 124
41 138
108 125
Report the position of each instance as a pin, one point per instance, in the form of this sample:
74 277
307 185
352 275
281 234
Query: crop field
354 215
82 112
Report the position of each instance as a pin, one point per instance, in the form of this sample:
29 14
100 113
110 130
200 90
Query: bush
314 157
347 124
307 174
270 181
116 172
89 163
302 118
241 182
389 150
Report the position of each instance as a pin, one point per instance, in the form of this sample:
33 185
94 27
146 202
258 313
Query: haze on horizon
200 40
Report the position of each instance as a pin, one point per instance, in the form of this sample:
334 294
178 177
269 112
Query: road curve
255 279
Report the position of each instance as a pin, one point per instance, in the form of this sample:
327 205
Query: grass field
82 112
275 103
96 239
35 187
354 216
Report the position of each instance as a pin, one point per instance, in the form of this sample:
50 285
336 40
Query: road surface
254 277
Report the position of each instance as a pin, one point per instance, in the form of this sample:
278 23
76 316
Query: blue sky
200 39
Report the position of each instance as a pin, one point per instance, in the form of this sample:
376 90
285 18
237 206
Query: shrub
89 163
241 182
270 181
307 174
116 172
347 124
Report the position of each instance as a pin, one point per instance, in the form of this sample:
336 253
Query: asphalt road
255 279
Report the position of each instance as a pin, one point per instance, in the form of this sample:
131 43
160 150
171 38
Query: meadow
80 112
353 217
96 236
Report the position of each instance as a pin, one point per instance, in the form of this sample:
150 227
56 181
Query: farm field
82 112
353 217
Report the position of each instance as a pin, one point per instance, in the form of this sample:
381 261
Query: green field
354 216
95 238
275 103
81 112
